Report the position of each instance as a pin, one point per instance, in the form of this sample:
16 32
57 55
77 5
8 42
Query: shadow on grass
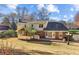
45 42
40 42
41 52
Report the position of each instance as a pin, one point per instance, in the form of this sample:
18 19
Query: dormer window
40 25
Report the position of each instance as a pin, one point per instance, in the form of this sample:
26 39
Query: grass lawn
44 48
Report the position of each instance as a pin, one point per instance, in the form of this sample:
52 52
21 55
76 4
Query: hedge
8 33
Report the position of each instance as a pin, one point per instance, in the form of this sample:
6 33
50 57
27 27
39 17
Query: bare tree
23 15
6 21
34 15
21 12
76 19
13 19
43 14
63 22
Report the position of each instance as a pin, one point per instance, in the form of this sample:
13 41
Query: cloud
52 8
39 6
54 18
72 9
65 16
71 16
13 6
76 7
65 19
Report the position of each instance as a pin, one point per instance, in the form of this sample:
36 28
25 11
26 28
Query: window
32 25
49 34
40 25
61 34
20 20
25 26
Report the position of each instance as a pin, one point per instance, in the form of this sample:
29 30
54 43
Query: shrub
10 33
7 48
31 32
1 34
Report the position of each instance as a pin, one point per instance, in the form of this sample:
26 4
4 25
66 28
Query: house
37 25
55 30
3 28
45 29
72 26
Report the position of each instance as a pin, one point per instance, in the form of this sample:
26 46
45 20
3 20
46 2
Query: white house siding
76 37
36 25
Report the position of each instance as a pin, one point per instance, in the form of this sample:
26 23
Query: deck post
68 42
68 38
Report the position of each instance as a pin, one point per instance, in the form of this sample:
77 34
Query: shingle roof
56 26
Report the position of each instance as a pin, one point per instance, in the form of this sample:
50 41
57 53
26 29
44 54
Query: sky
56 11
